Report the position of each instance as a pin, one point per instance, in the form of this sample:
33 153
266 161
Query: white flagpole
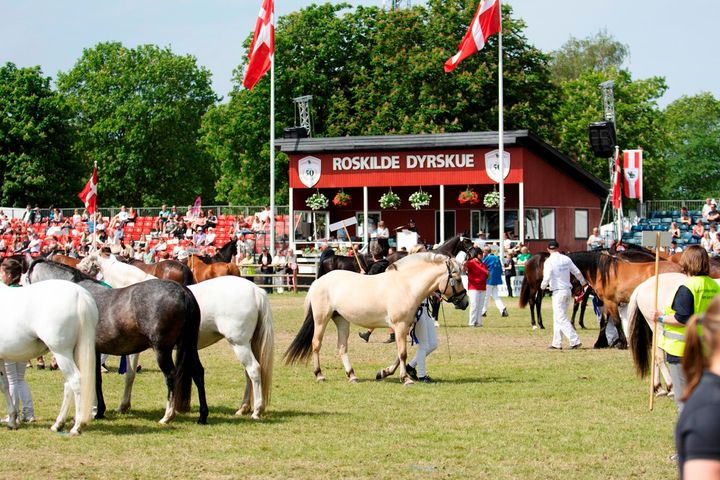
94 236
272 150
501 146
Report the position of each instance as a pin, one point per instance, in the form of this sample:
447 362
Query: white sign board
649 239
407 239
347 222
492 165
309 170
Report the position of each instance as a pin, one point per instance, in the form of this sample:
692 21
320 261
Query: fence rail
672 205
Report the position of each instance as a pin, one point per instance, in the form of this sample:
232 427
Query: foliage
342 199
419 199
37 164
469 197
491 199
577 56
317 201
389 200
137 113
693 151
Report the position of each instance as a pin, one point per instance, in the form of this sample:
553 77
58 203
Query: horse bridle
452 283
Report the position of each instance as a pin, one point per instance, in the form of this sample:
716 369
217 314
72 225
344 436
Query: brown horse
64 260
167 270
614 279
205 271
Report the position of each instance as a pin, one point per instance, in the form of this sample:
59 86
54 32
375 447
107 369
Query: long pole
654 337
94 235
501 145
272 151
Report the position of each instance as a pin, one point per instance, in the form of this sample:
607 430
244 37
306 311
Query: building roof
522 138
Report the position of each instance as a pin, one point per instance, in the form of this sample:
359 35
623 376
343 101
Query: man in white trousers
556 277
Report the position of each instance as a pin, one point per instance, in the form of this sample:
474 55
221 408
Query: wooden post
655 329
352 247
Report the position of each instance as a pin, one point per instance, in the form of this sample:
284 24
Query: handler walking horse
65 326
396 293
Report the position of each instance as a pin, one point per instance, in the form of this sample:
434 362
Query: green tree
693 151
138 114
36 162
597 53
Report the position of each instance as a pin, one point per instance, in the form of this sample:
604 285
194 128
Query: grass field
503 407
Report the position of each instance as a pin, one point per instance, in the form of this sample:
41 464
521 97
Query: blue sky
677 40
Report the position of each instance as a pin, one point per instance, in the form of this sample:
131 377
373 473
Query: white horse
63 322
230 307
389 299
640 307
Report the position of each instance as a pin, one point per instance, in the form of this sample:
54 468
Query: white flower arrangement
419 199
389 200
317 201
491 199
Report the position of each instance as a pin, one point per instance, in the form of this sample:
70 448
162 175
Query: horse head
454 291
90 264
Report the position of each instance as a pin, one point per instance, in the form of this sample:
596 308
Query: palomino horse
614 280
204 271
396 293
157 314
230 307
65 326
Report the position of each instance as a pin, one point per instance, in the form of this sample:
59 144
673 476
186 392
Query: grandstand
660 220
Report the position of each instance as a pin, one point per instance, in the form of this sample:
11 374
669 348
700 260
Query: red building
556 198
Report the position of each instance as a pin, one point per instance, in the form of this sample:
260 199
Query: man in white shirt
707 207
556 277
594 241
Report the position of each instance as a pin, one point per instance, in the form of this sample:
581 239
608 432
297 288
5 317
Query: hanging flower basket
469 197
492 199
389 200
341 199
317 201
419 199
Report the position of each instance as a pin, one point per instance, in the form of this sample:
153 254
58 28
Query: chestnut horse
167 270
205 271
396 295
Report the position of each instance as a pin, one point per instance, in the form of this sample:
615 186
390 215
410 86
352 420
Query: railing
672 205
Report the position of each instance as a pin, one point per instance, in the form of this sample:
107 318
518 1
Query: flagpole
272 150
501 145
94 237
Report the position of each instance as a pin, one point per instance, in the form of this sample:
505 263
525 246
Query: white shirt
556 272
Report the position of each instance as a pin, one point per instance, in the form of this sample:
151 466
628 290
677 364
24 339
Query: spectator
675 230
594 241
707 207
477 284
210 236
163 216
509 271
211 220
266 269
713 215
199 237
495 270
248 267
685 216
263 217
76 218
699 229
291 268
28 216
382 234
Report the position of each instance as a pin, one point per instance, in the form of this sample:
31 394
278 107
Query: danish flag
485 23
632 167
262 47
89 193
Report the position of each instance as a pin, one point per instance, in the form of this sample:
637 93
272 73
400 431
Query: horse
396 293
167 270
230 307
66 327
157 314
64 259
614 279
224 254
342 262
204 271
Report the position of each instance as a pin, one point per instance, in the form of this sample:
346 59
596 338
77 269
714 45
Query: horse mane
421 257
595 262
77 275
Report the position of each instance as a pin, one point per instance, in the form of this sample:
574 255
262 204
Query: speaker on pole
602 138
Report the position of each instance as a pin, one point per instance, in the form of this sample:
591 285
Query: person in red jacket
477 283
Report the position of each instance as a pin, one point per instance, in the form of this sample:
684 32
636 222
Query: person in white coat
556 277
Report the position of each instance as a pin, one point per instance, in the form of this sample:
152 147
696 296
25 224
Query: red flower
342 199
468 196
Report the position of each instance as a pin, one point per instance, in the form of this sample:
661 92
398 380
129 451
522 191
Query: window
547 223
311 226
373 219
532 226
581 224
449 224
489 222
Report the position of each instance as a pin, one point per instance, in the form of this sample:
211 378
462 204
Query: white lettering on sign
412 162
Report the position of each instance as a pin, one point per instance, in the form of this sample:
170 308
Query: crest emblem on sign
309 170
492 165
631 174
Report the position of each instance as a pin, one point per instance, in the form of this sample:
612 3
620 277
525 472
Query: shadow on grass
482 380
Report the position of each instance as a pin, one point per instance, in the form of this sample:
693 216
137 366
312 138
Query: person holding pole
691 298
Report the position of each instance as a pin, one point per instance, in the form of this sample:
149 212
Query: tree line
159 133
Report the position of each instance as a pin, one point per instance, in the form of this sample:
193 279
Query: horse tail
84 354
524 293
301 347
321 270
187 358
263 342
640 337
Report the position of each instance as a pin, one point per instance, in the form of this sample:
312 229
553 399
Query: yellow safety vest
703 290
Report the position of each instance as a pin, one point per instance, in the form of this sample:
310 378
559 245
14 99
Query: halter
452 283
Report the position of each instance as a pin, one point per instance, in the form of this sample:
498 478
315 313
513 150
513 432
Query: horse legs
401 331
165 362
253 383
101 407
198 376
316 344
131 370
343 331
72 387
12 411
538 305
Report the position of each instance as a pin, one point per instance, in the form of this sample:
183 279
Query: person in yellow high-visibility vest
693 297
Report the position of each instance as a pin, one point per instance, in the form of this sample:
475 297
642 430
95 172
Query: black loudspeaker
602 138
295 132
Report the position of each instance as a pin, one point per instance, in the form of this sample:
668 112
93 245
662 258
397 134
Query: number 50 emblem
309 170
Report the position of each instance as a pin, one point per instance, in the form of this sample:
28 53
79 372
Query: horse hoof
202 421
408 381
354 380
244 408
55 428
379 375
320 378
255 416
535 327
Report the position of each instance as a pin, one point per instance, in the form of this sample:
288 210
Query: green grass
503 407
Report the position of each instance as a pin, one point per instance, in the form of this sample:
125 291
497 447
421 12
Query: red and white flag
197 206
616 194
632 167
485 23
89 193
262 47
